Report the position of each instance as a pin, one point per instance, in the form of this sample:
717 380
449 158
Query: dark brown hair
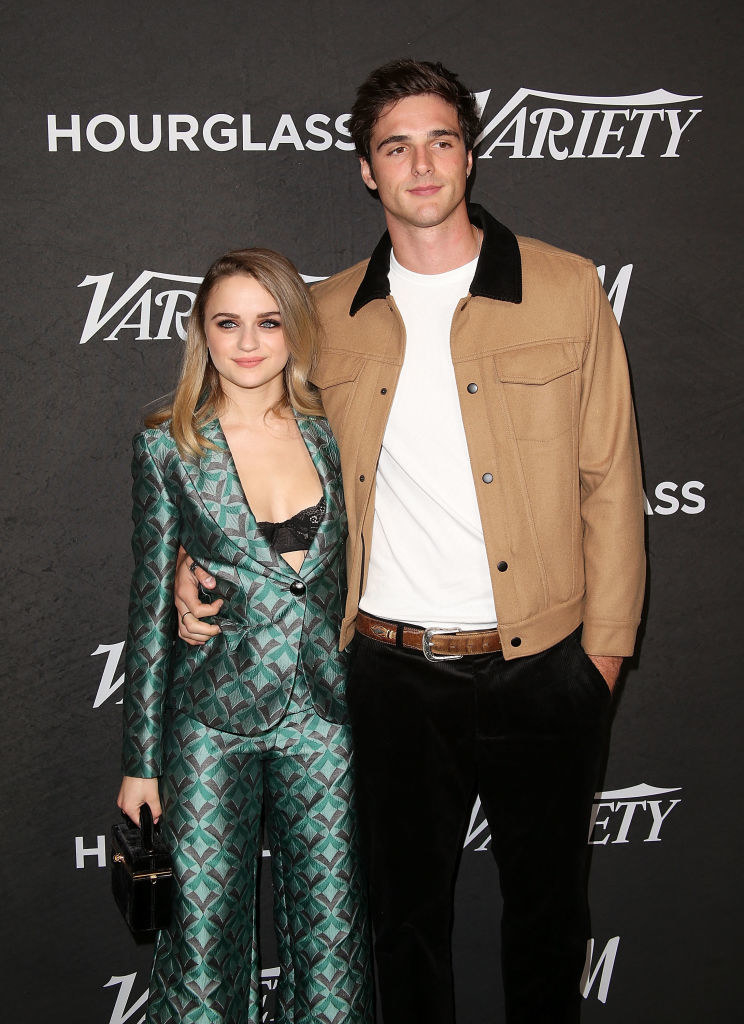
407 77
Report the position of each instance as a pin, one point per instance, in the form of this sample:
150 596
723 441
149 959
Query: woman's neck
249 407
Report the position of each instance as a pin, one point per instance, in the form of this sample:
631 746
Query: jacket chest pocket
541 386
336 377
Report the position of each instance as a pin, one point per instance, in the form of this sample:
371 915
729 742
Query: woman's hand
135 792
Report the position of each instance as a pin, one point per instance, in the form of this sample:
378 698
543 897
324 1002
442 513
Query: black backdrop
107 231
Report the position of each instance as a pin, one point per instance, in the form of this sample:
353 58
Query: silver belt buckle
426 645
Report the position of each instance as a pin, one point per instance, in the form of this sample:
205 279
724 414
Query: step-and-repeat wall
142 140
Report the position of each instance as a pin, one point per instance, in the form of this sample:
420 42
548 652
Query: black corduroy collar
498 274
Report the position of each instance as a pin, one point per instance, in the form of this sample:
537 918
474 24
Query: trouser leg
541 736
320 905
206 967
413 727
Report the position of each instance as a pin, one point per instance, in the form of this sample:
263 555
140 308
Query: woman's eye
226 323
270 324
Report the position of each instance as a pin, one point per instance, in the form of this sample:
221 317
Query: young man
478 389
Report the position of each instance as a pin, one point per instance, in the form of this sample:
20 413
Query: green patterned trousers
213 787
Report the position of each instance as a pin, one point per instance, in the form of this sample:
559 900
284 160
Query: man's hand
186 600
135 792
609 667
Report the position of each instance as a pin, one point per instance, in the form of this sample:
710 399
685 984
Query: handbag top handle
147 828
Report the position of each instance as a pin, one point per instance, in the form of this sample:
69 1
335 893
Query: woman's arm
151 630
188 606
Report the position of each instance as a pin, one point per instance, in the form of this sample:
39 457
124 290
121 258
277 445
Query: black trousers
528 735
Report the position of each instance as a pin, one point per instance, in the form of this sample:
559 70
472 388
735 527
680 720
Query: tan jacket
545 399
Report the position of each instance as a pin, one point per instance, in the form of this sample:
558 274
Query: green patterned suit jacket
272 618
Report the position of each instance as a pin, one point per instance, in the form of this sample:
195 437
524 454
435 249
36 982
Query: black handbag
141 873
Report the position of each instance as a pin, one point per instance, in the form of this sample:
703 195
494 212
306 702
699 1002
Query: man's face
418 163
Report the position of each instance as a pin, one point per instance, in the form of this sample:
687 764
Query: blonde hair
198 397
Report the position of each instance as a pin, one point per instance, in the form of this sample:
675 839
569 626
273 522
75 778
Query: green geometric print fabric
272 619
206 966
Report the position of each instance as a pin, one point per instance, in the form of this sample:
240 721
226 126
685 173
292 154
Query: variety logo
619 816
561 126
668 501
126 1012
137 308
531 125
131 1010
631 815
149 310
110 682
617 292
599 971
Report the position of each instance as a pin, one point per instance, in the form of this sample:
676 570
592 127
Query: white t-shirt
428 562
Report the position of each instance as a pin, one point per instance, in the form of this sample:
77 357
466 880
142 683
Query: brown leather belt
435 644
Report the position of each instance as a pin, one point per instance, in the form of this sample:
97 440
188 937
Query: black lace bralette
297 533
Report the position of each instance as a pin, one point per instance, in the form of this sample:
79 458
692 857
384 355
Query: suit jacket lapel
218 485
332 530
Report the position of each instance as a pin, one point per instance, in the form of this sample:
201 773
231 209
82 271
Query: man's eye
270 324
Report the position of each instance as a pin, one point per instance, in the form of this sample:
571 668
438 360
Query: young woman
244 473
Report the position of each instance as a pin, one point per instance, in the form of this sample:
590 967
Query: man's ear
469 163
367 176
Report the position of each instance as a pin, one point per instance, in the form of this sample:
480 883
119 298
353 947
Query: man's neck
437 249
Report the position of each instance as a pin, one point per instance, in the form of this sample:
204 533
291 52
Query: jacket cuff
139 764
608 639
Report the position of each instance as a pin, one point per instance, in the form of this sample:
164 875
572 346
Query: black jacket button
487 478
361 478
516 641
472 388
502 566
383 391
297 587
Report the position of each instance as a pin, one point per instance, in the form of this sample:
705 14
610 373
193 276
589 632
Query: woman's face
245 336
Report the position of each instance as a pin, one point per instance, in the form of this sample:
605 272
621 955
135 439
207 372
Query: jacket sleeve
612 508
150 634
